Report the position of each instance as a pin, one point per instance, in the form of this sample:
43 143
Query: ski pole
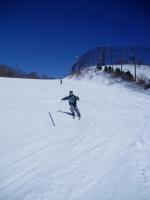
60 105
51 118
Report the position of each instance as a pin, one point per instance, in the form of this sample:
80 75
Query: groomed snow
103 156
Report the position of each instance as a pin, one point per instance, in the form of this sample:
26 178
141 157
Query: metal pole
60 106
121 58
134 65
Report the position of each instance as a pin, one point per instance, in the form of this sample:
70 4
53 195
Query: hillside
141 70
103 156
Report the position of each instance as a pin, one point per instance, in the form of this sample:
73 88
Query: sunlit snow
103 156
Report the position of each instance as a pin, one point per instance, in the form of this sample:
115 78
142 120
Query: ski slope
103 156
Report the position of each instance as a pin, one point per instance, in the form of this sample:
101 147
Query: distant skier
73 104
60 81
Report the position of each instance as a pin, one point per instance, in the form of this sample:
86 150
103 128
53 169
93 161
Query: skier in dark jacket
73 104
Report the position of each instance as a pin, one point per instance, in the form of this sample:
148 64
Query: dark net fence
102 56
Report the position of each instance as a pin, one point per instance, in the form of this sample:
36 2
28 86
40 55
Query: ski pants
73 109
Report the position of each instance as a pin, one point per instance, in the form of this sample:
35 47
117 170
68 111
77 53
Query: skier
73 104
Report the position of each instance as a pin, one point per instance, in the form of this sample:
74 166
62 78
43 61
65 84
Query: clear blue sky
46 35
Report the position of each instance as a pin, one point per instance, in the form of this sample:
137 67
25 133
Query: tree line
7 71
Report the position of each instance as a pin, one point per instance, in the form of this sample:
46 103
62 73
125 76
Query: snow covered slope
103 156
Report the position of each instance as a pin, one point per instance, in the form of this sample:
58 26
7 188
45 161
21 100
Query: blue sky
46 36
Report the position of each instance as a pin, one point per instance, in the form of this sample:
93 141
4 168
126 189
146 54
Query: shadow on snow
68 113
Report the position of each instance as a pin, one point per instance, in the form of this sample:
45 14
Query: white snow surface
103 156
